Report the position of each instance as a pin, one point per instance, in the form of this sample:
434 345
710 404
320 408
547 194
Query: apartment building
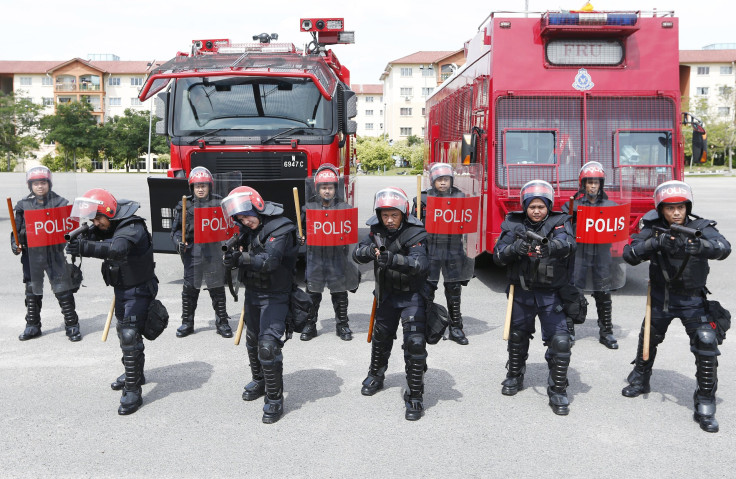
370 117
106 83
407 82
710 74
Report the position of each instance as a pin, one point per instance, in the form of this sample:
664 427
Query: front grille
257 165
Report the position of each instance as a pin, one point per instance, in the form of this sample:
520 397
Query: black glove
15 248
365 253
696 246
74 247
521 247
302 240
667 242
547 249
181 248
232 259
385 259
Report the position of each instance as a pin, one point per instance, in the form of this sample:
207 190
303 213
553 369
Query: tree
127 138
73 127
374 153
19 118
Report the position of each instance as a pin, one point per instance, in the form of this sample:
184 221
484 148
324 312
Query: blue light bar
593 18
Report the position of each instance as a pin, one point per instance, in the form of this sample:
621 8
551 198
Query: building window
47 81
136 81
725 90
113 81
369 126
427 91
405 112
406 72
701 90
405 91
369 99
724 111
424 131
135 101
46 101
405 132
703 70
369 113
380 125
26 81
380 112
726 70
427 71
424 112
115 101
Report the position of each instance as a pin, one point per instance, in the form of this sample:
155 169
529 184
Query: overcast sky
384 29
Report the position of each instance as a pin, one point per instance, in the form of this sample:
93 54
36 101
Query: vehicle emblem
583 81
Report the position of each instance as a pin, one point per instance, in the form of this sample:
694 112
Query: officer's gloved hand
365 253
667 243
74 247
385 259
302 240
696 246
521 247
181 248
231 259
16 248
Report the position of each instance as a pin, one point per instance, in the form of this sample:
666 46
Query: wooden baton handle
239 332
298 211
509 307
109 320
647 325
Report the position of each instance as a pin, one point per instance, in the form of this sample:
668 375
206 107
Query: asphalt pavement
58 416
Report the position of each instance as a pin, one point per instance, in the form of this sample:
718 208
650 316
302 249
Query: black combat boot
638 379
415 358
189 297
340 305
33 315
269 353
219 304
310 329
119 383
453 295
604 305
71 320
518 349
257 387
381 344
559 361
705 396
133 359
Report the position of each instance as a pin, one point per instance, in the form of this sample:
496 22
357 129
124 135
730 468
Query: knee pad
704 342
268 351
560 345
412 325
129 339
416 345
379 333
518 336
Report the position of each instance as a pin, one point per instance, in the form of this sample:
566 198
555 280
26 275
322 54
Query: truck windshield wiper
205 134
285 132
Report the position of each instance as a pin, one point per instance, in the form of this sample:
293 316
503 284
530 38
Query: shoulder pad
372 221
651 216
700 223
412 220
411 235
276 227
126 209
557 217
272 209
512 221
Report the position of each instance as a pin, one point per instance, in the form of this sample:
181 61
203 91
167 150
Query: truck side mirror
160 103
467 149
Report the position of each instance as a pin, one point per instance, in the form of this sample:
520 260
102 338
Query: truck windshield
644 148
264 106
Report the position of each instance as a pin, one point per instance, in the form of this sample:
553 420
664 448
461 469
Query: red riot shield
211 229
452 219
45 225
602 229
331 229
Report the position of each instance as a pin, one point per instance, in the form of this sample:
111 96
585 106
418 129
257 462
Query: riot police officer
266 258
595 260
329 266
446 253
121 239
678 271
537 269
198 259
49 259
396 244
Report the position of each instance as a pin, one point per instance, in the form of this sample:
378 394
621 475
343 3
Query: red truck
268 110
